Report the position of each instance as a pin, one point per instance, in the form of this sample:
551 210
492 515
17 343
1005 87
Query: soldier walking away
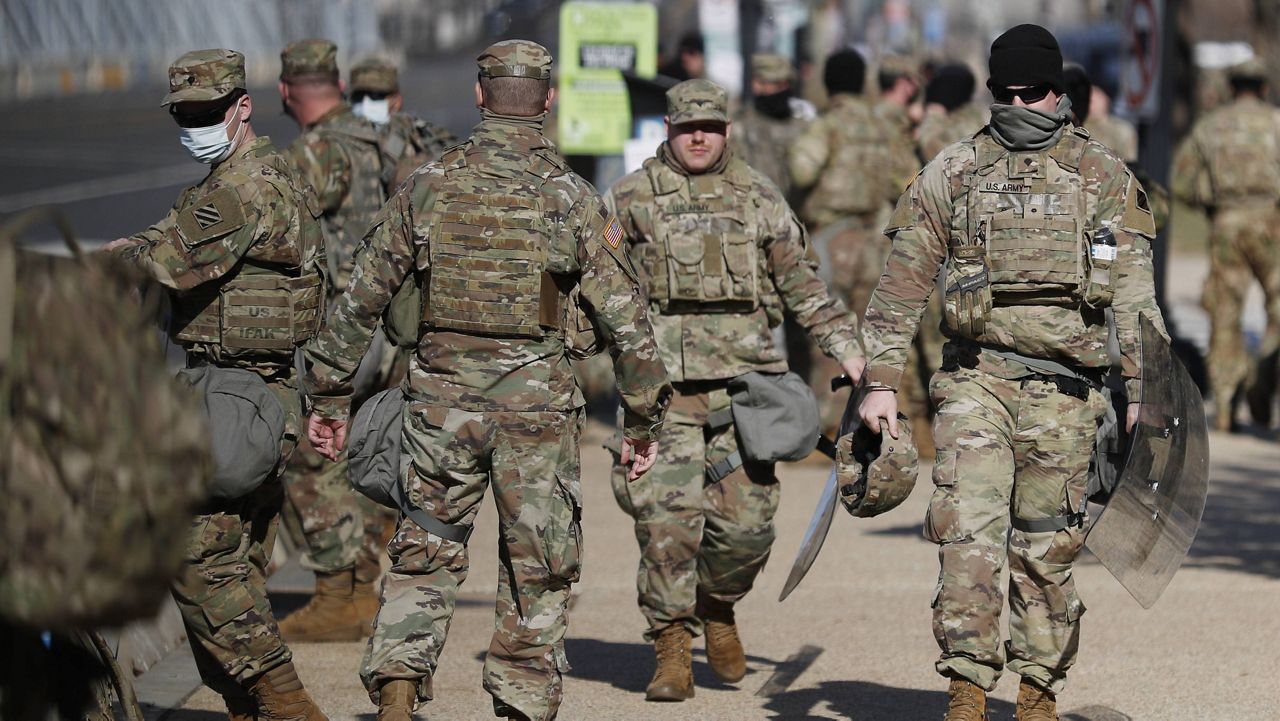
491 399
720 255
241 254
949 111
338 155
853 171
406 141
1230 166
765 129
900 84
1040 230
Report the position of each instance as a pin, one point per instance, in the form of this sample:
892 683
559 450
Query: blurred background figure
950 114
765 128
407 141
689 61
1112 131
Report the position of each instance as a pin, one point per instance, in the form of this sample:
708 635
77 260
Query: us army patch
991 186
211 216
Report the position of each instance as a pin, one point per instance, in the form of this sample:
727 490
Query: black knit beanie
1026 55
950 87
845 72
1079 89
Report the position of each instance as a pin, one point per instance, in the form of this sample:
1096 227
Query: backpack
103 456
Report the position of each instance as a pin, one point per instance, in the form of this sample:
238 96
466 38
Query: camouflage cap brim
196 94
698 115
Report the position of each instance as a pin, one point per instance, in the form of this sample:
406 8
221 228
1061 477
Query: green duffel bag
246 426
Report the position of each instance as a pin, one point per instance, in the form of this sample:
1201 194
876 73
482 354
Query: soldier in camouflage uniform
1040 230
765 129
852 171
720 255
949 111
339 156
898 103
248 232
407 141
491 399
1114 132
1230 166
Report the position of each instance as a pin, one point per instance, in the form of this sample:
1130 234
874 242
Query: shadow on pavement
629 666
1240 530
181 714
868 702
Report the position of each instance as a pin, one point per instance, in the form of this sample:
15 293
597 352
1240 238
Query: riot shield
820 524
1146 529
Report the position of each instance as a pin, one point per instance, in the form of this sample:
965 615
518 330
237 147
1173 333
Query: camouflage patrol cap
901 65
1251 69
515 59
695 100
309 57
205 75
876 472
375 75
770 68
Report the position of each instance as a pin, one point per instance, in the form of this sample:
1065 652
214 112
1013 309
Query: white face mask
377 112
210 144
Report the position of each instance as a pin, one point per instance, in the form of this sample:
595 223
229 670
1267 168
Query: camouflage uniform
406 142
339 157
1230 165
940 129
1115 133
1010 441
853 171
249 224
492 400
720 255
762 141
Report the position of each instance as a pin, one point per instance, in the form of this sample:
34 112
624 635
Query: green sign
598 40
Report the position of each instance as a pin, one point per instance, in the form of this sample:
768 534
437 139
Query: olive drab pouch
103 456
246 427
373 446
775 415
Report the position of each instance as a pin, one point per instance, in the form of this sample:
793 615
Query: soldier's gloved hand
853 368
639 456
328 436
879 403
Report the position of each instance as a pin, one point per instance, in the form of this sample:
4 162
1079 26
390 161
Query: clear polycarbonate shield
820 524
1144 532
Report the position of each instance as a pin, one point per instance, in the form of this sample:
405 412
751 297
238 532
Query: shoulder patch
211 216
612 233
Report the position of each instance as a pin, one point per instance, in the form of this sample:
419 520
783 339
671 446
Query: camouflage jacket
762 142
247 215
850 160
1115 133
1231 157
408 142
738 200
932 220
489 373
940 129
340 158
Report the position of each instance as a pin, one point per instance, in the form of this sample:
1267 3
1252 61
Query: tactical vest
1020 234
706 256
1244 155
489 251
272 302
854 181
345 228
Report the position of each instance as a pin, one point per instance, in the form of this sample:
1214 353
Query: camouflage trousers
694 535
221 591
1005 447
531 460
1244 246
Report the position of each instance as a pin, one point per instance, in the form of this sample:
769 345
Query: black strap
718 470
720 418
449 532
1043 525
827 447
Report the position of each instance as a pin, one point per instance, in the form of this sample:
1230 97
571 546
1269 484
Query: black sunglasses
1033 94
212 116
362 94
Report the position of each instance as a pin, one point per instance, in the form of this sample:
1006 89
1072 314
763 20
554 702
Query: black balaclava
845 72
951 86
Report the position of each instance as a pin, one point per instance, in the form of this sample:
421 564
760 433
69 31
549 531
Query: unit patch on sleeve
211 216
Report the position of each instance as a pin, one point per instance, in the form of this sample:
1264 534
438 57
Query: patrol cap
1251 69
770 68
515 59
695 100
205 75
901 65
309 57
374 75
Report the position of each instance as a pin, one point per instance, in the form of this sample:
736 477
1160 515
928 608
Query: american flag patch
613 233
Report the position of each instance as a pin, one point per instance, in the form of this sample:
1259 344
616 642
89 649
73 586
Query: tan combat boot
1035 703
396 700
968 701
724 647
364 592
281 697
330 615
673 679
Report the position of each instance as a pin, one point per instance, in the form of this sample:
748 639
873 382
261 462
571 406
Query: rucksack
103 456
